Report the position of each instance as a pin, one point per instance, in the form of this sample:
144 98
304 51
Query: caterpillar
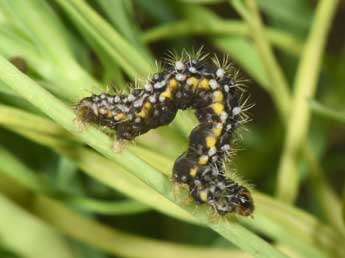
189 81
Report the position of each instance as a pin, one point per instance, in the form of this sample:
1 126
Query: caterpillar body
188 82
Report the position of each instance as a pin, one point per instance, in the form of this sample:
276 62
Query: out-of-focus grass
74 48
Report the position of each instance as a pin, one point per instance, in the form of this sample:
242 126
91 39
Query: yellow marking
142 113
172 84
217 131
147 105
120 116
218 96
145 109
203 195
218 108
109 113
193 171
192 81
103 111
210 141
203 160
204 84
166 93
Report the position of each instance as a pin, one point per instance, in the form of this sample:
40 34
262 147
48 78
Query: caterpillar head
242 202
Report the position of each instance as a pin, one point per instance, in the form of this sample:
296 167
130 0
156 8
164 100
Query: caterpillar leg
80 124
119 145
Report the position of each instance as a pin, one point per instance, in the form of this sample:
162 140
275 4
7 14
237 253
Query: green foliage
56 191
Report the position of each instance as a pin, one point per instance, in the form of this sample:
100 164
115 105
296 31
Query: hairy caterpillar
197 82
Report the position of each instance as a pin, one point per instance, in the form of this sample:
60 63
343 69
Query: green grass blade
171 30
305 87
18 226
95 234
106 207
272 218
279 87
327 112
45 46
122 15
110 40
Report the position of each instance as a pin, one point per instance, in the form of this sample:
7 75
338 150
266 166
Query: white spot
220 73
236 110
228 127
203 158
130 117
212 151
197 182
213 84
221 185
161 98
131 97
152 99
179 65
148 87
117 99
180 77
219 125
137 103
137 120
110 99
94 109
226 147
102 96
223 116
104 103
214 158
226 88
215 171
212 189
216 93
159 85
192 69
189 81
123 108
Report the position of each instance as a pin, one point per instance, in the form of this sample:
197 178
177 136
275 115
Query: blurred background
61 198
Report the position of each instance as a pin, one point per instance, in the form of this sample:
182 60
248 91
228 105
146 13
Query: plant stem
279 87
281 39
304 90
326 112
326 192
